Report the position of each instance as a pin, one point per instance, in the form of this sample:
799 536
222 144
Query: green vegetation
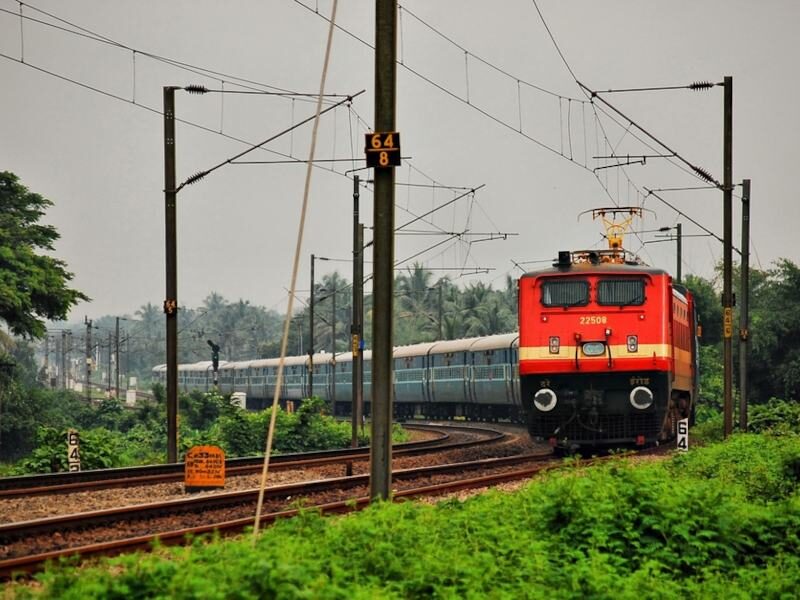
33 286
721 521
112 436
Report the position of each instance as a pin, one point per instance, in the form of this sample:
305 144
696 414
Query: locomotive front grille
602 427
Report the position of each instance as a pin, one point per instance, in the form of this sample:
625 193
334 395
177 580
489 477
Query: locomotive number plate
594 320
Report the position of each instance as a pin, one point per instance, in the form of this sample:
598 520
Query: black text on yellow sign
383 149
727 322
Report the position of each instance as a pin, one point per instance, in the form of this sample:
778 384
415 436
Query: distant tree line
425 310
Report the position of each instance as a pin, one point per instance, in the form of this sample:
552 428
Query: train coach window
565 293
620 292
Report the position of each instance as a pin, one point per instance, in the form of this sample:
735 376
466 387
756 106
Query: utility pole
678 234
108 373
383 287
333 352
171 300
47 360
116 360
311 334
63 359
441 309
744 315
88 323
727 258
358 316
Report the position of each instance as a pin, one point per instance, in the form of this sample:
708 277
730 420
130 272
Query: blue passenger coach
476 378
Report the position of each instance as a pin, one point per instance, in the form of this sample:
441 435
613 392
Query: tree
33 286
709 308
775 333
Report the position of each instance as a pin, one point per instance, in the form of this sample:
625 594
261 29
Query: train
471 378
605 356
607 351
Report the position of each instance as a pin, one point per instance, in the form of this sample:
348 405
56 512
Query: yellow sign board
205 467
727 322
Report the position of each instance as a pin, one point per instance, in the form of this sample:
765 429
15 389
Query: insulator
701 85
196 89
196 177
703 174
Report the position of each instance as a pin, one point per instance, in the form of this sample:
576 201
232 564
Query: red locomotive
607 351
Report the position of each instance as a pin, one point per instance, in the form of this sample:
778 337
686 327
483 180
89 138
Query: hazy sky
491 70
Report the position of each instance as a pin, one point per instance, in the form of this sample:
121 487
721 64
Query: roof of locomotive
597 269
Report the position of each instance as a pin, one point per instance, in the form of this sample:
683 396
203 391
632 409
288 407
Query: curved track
50 483
29 544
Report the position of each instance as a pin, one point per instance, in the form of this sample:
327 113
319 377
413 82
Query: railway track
27 545
69 482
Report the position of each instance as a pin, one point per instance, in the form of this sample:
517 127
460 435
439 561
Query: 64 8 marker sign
683 434
383 149
73 450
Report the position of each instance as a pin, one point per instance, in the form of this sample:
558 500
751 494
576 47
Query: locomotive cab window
620 292
565 293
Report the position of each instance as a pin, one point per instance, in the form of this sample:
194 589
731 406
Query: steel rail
33 563
10 532
66 482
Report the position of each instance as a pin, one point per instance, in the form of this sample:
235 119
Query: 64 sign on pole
73 450
383 149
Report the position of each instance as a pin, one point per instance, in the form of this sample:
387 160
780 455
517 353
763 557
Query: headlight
545 400
641 397
594 348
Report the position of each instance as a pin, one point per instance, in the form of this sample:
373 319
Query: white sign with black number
73 450
683 434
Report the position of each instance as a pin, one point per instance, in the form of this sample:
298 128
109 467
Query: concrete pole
744 307
727 258
383 287
171 301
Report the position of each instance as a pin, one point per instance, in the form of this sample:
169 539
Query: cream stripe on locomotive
617 351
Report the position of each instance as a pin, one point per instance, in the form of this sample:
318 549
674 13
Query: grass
722 521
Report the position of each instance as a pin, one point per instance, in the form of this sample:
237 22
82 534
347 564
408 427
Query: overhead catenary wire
484 112
625 175
78 30
194 124
696 171
86 33
197 176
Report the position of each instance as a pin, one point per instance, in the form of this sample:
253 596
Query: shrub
776 416
623 530
99 449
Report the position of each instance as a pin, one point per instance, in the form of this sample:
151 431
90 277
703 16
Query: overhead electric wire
89 34
486 62
450 93
314 118
698 170
694 170
484 112
184 121
210 73
553 39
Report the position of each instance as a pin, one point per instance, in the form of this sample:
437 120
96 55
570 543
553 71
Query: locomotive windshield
569 292
620 292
